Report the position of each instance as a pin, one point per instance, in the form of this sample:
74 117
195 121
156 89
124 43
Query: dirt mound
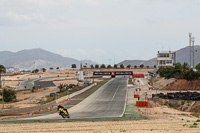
161 82
182 105
183 85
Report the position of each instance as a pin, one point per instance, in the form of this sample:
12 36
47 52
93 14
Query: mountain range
38 58
182 55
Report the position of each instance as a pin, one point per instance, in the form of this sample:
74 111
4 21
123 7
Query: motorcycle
63 112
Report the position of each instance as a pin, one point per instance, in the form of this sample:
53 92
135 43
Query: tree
191 75
109 66
51 68
122 66
44 69
73 66
129 66
96 66
2 70
154 66
61 87
179 71
35 71
115 66
198 67
103 66
92 66
57 68
135 66
147 66
8 95
141 66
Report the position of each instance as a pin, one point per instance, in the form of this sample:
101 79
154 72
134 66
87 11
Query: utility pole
190 40
193 39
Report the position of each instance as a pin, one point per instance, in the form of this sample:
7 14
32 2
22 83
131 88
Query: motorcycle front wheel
63 115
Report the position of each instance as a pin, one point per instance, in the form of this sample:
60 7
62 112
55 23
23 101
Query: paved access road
107 101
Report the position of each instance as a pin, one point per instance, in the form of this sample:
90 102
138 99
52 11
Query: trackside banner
114 73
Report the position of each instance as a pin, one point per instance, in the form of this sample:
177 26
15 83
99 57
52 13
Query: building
166 58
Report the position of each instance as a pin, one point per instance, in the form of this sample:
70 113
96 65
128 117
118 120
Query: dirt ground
159 119
143 126
27 98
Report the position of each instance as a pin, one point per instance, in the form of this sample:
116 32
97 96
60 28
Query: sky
104 31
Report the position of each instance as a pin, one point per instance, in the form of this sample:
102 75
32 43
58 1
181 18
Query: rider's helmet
58 105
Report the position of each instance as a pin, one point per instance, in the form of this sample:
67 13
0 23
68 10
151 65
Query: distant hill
182 56
28 59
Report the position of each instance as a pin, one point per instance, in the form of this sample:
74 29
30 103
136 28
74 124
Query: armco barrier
44 106
142 104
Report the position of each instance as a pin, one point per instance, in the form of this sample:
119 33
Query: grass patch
184 114
166 113
65 93
195 125
198 121
122 130
184 125
195 114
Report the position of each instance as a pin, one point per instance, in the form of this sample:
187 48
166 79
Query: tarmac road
107 101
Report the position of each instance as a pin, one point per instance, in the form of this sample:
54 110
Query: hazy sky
99 29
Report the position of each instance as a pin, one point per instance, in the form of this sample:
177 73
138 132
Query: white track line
114 94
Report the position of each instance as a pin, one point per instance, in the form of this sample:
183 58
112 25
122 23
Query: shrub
179 72
8 95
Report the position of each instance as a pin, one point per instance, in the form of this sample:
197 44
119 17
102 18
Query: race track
107 101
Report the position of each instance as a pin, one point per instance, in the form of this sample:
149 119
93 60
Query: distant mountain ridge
182 55
39 58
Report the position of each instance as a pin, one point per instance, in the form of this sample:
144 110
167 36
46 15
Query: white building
166 58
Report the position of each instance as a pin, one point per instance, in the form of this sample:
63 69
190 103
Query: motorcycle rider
59 106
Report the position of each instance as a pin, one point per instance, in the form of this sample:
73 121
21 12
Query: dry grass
143 126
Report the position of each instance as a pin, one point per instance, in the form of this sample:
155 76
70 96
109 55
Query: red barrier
138 75
136 96
137 103
142 104
147 104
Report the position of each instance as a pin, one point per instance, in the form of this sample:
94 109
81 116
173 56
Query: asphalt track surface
107 101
